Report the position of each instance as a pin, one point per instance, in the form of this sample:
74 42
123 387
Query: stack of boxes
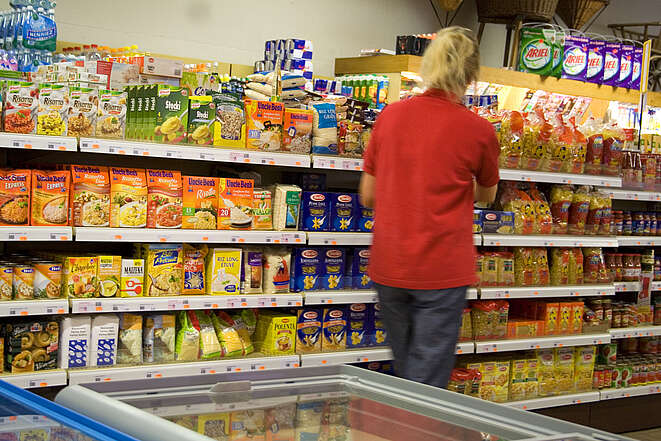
295 56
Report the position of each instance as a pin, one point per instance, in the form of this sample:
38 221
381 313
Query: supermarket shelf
465 348
626 392
638 241
96 375
330 238
38 142
130 304
634 195
489 346
477 240
559 178
57 377
520 240
25 233
337 163
219 154
547 291
627 286
341 297
560 400
95 234
638 331
21 308
345 357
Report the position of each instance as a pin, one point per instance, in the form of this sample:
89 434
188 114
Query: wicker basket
576 13
535 10
449 5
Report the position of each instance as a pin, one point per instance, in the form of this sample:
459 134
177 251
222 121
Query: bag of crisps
561 199
578 211
543 217
607 214
594 146
511 139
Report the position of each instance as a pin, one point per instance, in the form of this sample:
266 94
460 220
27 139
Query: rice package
344 211
223 271
158 338
296 137
324 129
308 330
129 348
315 211
358 262
332 271
264 125
276 271
103 348
194 269
358 326
286 207
306 269
187 342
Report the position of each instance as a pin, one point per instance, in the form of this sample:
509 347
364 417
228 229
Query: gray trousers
423 327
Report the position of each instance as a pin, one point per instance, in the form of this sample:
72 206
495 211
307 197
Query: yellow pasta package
518 378
532 380
546 372
214 425
563 367
583 368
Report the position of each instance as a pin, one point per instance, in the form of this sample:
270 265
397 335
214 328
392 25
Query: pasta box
308 330
497 222
306 270
315 211
477 221
358 326
359 263
365 219
378 336
332 271
334 329
344 210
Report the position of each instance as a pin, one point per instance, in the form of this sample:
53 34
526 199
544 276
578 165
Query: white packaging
75 341
103 350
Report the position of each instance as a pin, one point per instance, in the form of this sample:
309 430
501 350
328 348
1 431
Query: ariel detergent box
536 51
611 63
575 58
595 72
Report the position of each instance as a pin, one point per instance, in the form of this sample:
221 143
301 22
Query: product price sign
154 374
22 310
17 235
21 144
240 157
174 154
37 383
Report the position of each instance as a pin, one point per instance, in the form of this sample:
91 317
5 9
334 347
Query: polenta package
358 326
286 207
90 196
308 330
235 204
80 277
230 125
343 212
164 269
194 256
332 269
109 273
83 105
201 117
264 125
171 114
15 197
306 269
129 346
200 202
158 338
334 329
223 271
128 196
111 116
262 209
53 109
21 102
164 199
297 133
275 333
50 197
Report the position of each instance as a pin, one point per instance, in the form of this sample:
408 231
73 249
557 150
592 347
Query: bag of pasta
594 146
579 148
575 273
613 143
598 204
564 370
544 219
560 258
578 211
489 269
607 214
522 206
594 267
545 372
583 368
466 330
483 317
561 145
536 144
511 140
505 265
524 266
541 262
561 199
502 308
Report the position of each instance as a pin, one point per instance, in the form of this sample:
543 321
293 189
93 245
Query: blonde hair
451 61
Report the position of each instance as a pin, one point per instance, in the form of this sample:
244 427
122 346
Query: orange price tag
366 359
244 304
214 305
524 407
238 369
578 401
162 239
333 242
24 313
64 238
298 240
331 165
205 238
43 384
121 152
329 301
459 351
12 418
23 238
118 237
627 395
145 153
246 160
274 304
298 303
535 293
536 346
106 379
158 375
550 244
27 146
324 361
507 295
186 306
99 308
598 341
497 244
271 162
295 364
560 345
568 181
297 163
261 368
276 240
60 311
241 240
61 147
95 146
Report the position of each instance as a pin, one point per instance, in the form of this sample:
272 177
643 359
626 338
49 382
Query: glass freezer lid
331 403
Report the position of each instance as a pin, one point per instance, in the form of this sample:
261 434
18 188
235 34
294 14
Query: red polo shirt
424 153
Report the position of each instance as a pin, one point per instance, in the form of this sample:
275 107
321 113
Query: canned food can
23 282
6 281
47 280
598 378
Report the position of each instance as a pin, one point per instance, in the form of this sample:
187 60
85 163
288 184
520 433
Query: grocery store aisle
645 435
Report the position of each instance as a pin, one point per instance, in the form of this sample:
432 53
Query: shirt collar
442 94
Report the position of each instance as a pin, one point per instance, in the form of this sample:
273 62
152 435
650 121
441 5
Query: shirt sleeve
370 156
487 170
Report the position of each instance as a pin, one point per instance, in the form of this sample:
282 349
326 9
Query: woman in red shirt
428 159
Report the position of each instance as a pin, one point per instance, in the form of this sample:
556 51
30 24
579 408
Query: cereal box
194 269
344 210
109 273
50 197
15 197
90 196
334 329
262 210
132 278
378 336
230 125
53 109
275 333
82 111
286 207
164 269
365 219
128 196
111 115
264 125
171 114
297 134
200 202
306 270
21 103
332 271
223 271
360 279
358 326
164 199
235 204
80 277
315 211
308 330
201 120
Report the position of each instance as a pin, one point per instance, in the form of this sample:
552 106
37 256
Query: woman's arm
484 194
367 184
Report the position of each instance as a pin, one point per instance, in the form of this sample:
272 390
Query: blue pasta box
306 269
377 328
332 271
357 326
477 221
334 329
344 211
365 219
308 330
359 263
497 222
315 211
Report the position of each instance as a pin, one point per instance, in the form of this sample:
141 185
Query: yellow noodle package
564 370
583 368
518 378
546 372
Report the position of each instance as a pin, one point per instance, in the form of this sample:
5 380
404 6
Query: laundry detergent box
595 71
357 325
344 210
332 271
171 114
575 58
611 63
377 328
306 269
315 211
359 263
308 330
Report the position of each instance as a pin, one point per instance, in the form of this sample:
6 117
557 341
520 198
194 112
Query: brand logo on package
364 253
575 61
310 315
595 63
318 197
335 314
611 65
309 254
344 198
625 67
490 216
358 307
536 54
334 254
